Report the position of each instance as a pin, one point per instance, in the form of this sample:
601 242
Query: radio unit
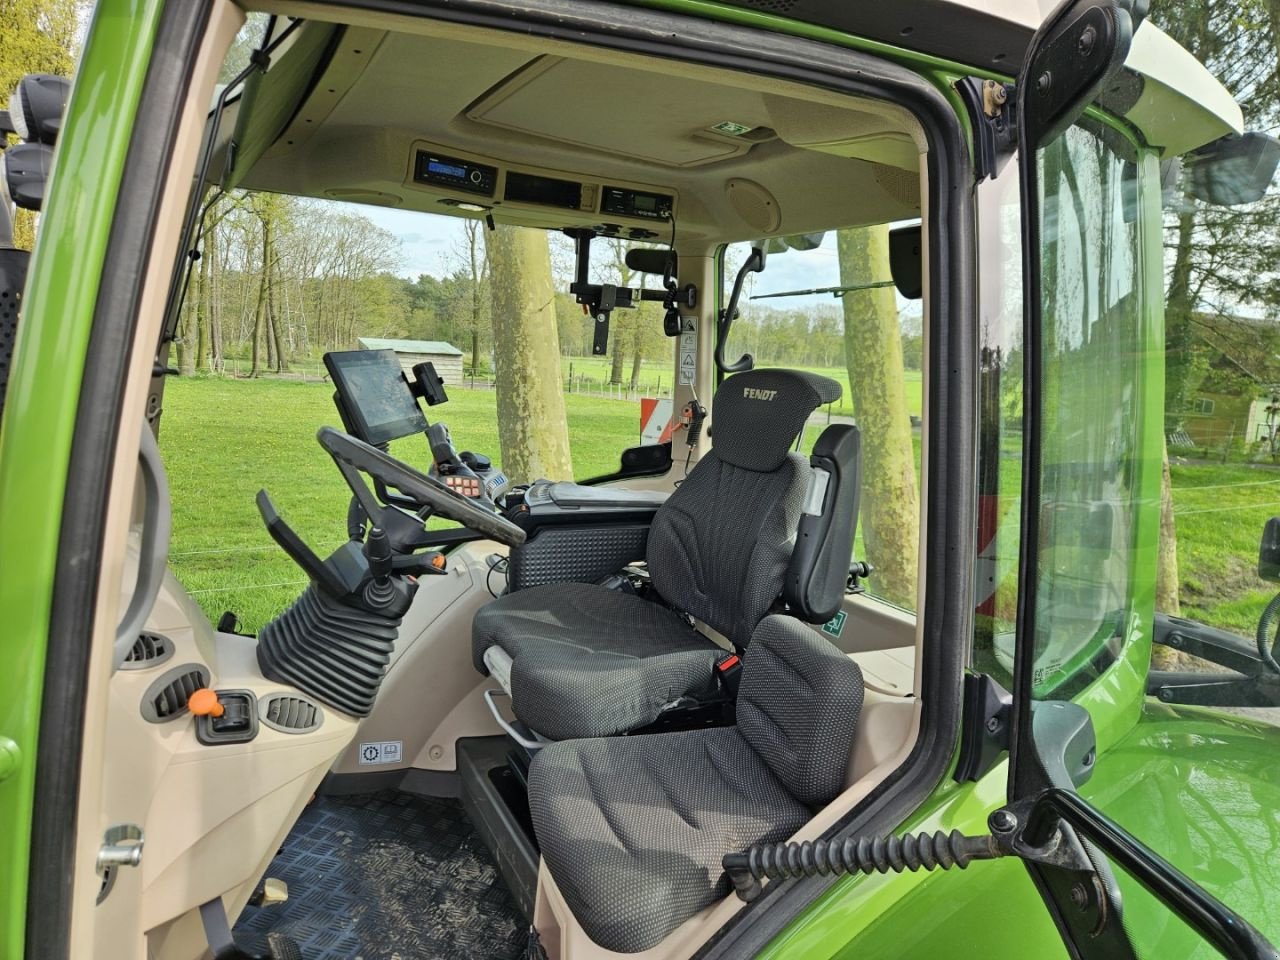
442 171
636 203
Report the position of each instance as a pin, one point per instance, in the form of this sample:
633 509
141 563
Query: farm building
1216 418
446 357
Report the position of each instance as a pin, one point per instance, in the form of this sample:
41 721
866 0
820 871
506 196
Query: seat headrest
757 415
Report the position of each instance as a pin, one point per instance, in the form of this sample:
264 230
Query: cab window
827 303
1096 336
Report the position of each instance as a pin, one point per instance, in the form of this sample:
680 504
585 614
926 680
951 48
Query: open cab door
1084 450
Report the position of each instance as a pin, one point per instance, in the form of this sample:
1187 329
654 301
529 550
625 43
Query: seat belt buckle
729 672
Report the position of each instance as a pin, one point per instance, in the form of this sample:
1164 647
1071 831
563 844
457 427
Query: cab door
1090 426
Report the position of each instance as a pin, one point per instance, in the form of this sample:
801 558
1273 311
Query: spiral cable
821 858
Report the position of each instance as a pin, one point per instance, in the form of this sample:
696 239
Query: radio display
454 173
446 169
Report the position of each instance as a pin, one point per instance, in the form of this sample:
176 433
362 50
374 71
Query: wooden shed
446 357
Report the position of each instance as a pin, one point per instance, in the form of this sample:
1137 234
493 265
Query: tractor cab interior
603 687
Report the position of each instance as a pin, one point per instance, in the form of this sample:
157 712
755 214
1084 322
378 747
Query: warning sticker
688 356
835 626
385 751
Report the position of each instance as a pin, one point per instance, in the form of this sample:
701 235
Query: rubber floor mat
388 876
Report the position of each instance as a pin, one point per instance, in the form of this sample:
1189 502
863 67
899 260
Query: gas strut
819 858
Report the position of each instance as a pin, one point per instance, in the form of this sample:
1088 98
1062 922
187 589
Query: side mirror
906 263
1269 551
36 107
1233 169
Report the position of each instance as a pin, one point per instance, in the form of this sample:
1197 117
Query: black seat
633 829
587 661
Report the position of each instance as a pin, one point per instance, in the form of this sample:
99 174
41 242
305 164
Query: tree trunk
282 361
890 510
1177 328
259 316
532 430
619 355
636 360
202 311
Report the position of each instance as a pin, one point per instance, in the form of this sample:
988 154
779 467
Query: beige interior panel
474 91
105 799
872 624
662 125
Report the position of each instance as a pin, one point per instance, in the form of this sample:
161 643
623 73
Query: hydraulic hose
819 858
1265 638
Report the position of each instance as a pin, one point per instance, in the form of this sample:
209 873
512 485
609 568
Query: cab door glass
1096 346
827 303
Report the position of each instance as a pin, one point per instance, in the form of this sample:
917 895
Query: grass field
1219 510
225 439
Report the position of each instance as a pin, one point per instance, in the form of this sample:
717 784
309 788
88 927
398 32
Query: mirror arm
754 264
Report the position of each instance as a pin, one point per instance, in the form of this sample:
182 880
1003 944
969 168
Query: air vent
290 713
167 698
149 650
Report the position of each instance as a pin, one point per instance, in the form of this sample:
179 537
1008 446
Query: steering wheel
351 454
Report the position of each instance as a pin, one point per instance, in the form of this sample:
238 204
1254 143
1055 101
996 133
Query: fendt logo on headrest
754 393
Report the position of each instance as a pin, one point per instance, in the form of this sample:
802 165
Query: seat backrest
798 707
819 569
719 547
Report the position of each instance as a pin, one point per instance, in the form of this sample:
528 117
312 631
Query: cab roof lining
501 96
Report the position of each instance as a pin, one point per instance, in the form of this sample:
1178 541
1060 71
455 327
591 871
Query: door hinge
991 107
984 726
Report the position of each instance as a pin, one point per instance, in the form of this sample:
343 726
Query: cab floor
388 876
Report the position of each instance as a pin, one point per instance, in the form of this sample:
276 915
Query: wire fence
576 381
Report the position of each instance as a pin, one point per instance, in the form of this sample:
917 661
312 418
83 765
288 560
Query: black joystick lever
377 550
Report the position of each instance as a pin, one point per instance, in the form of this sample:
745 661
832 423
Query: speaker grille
754 204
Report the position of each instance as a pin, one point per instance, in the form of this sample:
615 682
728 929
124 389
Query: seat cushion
633 829
593 662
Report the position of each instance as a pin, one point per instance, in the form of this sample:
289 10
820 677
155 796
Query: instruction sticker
688 356
385 751
835 626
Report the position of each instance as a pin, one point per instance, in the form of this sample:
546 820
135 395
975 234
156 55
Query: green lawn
1219 510
223 440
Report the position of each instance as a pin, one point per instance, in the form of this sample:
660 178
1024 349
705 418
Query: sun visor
271 100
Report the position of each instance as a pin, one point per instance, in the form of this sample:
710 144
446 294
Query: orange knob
204 703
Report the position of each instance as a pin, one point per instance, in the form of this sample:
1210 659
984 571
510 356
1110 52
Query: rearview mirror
1233 170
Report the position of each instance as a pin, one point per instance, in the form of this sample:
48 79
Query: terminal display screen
374 394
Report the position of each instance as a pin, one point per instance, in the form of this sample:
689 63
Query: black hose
819 858
1266 642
